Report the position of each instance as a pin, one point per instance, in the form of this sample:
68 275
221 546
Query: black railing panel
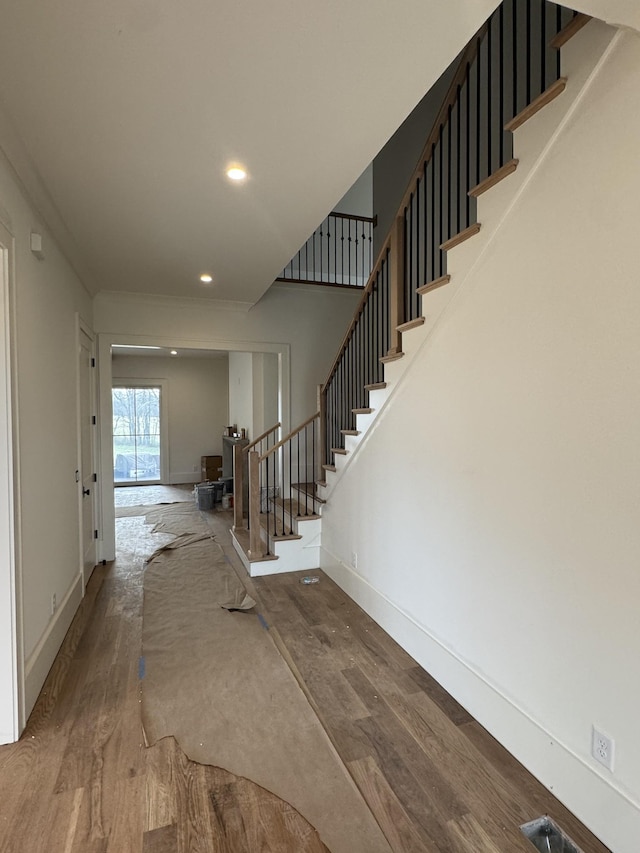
339 253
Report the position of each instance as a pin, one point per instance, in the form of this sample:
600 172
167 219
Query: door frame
83 328
107 537
12 679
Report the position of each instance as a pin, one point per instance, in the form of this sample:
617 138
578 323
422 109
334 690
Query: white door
87 471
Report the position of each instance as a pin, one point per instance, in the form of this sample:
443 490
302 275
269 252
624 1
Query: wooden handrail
261 437
372 219
289 437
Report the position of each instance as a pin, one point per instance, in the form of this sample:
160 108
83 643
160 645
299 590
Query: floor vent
546 836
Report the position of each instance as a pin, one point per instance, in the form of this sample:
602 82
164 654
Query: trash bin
208 495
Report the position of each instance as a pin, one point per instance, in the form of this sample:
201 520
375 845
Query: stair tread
410 324
241 535
494 178
538 103
364 411
339 450
350 431
375 386
276 529
329 467
432 285
460 237
297 508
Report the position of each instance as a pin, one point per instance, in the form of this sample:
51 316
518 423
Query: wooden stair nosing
549 94
569 31
394 356
329 468
410 324
365 410
375 386
432 285
493 179
322 484
460 237
350 431
340 451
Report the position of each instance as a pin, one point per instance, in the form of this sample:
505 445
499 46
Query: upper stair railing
509 70
339 253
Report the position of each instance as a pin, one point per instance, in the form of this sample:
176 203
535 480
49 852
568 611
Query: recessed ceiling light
206 277
174 352
236 173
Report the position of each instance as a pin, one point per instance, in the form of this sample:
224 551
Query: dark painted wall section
394 165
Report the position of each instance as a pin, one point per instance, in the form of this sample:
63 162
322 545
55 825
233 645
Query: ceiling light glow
174 352
236 173
206 278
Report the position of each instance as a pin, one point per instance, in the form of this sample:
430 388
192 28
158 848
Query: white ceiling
121 116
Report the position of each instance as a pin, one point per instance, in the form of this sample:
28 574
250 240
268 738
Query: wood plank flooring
81 780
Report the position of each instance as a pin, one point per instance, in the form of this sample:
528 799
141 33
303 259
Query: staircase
417 275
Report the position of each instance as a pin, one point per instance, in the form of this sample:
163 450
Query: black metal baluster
528 53
543 46
501 121
514 47
459 182
467 199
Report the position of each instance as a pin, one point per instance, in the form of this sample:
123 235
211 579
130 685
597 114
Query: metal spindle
528 53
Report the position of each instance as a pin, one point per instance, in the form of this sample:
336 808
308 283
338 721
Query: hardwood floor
81 780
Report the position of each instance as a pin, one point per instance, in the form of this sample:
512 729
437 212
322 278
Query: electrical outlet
54 604
354 559
602 748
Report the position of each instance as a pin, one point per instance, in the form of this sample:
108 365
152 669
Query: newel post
238 489
255 544
396 286
322 432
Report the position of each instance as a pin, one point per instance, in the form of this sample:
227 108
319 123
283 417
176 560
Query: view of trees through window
136 434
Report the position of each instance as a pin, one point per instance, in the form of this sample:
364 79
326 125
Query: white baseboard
606 810
42 657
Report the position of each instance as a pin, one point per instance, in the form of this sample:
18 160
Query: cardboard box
210 467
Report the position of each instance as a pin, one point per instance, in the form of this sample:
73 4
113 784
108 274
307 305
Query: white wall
506 468
358 200
265 392
306 321
46 296
198 406
241 391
